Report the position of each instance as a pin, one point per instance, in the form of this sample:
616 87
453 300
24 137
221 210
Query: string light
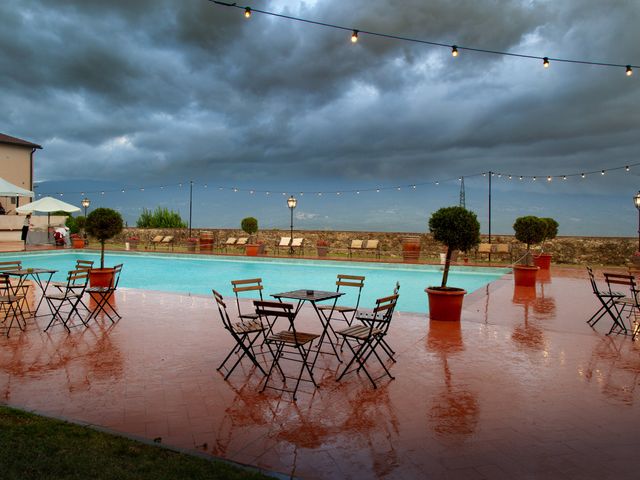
454 51
378 189
454 48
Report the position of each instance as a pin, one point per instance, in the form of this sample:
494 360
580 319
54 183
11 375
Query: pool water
197 275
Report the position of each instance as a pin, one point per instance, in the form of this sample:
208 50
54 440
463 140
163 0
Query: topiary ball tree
530 230
103 224
458 229
249 225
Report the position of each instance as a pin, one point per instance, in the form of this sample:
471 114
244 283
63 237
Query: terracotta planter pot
206 242
543 261
77 242
525 275
410 249
445 304
252 249
101 277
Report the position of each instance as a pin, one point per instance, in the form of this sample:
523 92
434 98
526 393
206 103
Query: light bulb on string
377 190
437 183
520 178
545 62
627 168
534 179
629 71
499 175
602 172
413 186
247 12
582 175
509 177
354 36
564 177
454 51
549 178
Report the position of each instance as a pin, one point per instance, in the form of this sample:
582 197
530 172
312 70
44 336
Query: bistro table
314 296
41 276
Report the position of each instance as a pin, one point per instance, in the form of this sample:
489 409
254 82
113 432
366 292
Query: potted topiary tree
543 259
529 230
250 226
458 229
103 224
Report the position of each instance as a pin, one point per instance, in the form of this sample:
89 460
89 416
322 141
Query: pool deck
521 388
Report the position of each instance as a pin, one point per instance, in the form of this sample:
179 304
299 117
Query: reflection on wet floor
522 386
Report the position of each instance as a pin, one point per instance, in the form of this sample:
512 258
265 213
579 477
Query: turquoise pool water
198 275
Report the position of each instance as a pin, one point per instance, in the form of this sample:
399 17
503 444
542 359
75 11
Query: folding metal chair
20 288
606 300
346 313
289 341
363 340
11 303
245 333
71 295
628 302
102 295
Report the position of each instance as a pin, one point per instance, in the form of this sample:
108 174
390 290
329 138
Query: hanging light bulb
549 178
358 192
251 192
247 12
268 193
437 183
377 190
499 175
582 175
520 178
602 172
627 168
564 177
629 71
545 62
454 51
319 194
123 190
534 179
354 36
413 186
509 177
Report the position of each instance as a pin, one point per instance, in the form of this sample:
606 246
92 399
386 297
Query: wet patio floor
521 388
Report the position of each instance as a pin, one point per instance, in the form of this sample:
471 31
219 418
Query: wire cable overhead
455 49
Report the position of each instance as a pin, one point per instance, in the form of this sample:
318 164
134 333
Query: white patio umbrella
48 205
8 189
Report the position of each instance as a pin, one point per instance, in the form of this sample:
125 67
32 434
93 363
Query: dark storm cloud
152 91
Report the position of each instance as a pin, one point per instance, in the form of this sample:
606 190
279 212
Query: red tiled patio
523 388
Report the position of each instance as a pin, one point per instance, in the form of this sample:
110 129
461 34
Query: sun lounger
372 245
167 240
483 249
355 245
298 244
284 243
231 241
155 241
242 242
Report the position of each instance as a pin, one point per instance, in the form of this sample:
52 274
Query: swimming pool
196 274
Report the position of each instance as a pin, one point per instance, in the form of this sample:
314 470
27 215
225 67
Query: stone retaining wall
567 250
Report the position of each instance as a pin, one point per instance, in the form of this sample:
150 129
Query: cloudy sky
131 94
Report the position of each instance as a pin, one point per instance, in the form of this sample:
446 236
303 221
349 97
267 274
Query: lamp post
85 204
291 203
636 201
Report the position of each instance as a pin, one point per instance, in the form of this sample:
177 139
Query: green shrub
551 228
458 229
160 218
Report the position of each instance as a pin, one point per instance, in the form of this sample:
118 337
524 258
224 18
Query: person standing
25 229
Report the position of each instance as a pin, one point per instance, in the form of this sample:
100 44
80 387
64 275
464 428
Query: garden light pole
291 203
85 204
636 201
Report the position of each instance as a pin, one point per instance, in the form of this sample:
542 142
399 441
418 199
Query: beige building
16 166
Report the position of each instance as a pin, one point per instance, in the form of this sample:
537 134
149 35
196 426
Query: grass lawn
34 447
